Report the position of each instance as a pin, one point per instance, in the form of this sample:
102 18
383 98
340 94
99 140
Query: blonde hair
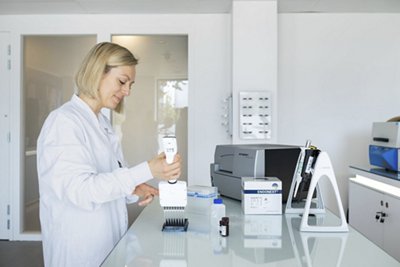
100 59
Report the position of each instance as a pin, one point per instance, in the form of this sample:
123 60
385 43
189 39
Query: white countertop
254 240
375 172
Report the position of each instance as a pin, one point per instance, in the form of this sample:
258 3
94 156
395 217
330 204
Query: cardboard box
261 195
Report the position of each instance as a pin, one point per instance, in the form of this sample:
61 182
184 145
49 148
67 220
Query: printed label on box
261 195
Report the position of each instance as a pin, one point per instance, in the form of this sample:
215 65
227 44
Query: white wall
338 73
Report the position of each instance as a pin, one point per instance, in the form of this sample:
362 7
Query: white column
254 57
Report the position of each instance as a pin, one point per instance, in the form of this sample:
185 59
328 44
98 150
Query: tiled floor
21 254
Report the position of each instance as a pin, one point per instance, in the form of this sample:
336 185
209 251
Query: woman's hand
162 170
145 192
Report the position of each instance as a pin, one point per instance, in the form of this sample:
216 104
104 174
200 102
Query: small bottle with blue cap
217 212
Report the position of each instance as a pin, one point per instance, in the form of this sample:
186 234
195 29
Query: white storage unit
374 210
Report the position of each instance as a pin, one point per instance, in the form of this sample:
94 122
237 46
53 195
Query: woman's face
115 85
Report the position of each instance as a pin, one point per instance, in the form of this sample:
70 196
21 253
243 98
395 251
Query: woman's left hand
146 193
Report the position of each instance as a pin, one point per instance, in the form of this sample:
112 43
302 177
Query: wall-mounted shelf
255 115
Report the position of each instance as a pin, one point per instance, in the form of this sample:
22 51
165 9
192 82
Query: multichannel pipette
173 194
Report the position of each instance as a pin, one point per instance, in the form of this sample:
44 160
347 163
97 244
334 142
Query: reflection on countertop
267 240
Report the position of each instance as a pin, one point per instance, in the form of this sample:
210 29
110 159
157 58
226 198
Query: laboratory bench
254 240
376 173
374 206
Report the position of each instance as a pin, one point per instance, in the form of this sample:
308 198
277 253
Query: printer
232 162
385 145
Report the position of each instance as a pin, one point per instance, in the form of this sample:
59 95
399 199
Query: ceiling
11 7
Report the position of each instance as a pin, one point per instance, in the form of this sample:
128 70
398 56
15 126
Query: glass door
158 104
50 63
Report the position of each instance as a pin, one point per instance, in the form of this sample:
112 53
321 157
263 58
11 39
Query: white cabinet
364 203
391 233
374 211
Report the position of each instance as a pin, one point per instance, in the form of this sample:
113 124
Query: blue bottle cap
218 201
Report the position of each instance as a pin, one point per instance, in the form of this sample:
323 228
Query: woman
83 181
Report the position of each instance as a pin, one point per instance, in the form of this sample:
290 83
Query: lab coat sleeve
66 166
131 199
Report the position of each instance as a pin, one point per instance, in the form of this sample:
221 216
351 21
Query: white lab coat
83 191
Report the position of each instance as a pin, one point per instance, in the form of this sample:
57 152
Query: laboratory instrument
232 162
301 182
314 164
384 150
173 194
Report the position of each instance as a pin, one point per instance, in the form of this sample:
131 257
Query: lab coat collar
98 120
86 110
